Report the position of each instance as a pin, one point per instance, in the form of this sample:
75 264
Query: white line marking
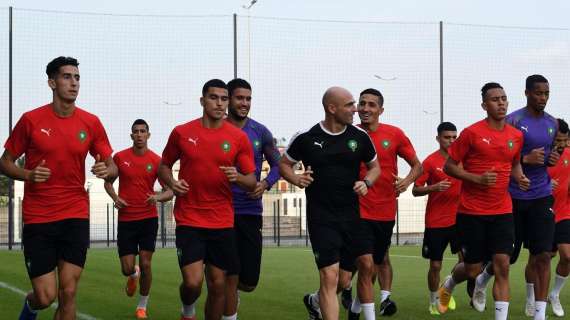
403 256
53 305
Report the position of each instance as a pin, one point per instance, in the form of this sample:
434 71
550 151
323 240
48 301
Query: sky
140 60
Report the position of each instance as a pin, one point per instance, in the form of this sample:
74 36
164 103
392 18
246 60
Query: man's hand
442 185
259 190
304 179
554 183
230 172
99 169
400 184
152 198
120 203
553 158
489 178
39 173
535 157
180 187
524 183
360 188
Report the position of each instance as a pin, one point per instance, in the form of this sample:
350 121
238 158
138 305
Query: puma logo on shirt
194 141
319 144
46 131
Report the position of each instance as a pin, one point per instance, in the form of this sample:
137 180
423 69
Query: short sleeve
100 144
368 150
19 139
405 148
294 149
244 157
422 180
460 147
171 152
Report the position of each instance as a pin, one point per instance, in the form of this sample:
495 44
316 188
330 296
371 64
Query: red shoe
131 286
141 313
187 318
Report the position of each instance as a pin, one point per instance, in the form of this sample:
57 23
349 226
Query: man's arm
518 175
402 185
9 168
165 174
453 169
288 173
372 173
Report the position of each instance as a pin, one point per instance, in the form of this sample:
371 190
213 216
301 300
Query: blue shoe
27 313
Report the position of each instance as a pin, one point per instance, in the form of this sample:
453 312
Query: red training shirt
63 143
441 208
481 148
137 175
380 202
208 203
561 172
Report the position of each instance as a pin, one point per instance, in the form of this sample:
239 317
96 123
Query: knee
216 284
542 261
329 277
192 284
435 267
145 267
44 298
127 270
67 294
366 268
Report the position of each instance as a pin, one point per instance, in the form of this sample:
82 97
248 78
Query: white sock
368 311
449 284
232 317
483 278
558 284
135 274
30 307
356 307
530 292
384 294
314 299
540 312
188 310
501 310
433 297
143 300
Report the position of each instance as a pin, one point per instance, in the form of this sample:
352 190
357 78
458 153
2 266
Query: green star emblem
226 146
551 131
510 144
385 144
82 135
352 145
565 162
256 144
149 167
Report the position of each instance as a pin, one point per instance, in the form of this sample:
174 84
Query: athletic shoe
388 307
529 308
352 315
452 304
27 313
556 306
346 298
314 314
444 296
479 299
433 310
140 313
131 286
182 317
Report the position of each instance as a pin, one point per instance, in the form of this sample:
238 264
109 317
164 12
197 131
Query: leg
563 267
231 295
385 273
191 286
215 280
562 271
364 286
433 275
128 264
44 291
69 275
145 259
501 270
327 291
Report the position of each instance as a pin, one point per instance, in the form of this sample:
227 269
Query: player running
332 152
489 151
138 216
209 150
55 140
443 200
247 205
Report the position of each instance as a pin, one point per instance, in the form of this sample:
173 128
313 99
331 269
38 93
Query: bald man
331 152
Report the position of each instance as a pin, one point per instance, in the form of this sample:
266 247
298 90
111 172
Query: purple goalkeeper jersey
539 132
263 148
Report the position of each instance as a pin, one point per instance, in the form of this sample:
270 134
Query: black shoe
388 307
470 287
352 315
346 298
313 313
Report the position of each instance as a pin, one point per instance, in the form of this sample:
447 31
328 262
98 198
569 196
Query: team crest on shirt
256 144
565 162
385 144
352 144
551 132
510 144
82 135
226 146
148 167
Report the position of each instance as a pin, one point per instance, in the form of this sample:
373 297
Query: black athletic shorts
562 232
373 237
135 236
436 240
482 236
47 243
534 225
331 240
213 246
249 243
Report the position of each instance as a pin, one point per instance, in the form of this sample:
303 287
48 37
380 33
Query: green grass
287 274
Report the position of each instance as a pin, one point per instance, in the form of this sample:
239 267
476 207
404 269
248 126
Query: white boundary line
404 256
53 305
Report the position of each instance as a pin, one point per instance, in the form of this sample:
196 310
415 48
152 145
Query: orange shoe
131 286
182 317
444 298
141 313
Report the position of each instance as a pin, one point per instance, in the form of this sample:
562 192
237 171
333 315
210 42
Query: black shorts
374 237
47 243
213 246
135 236
562 234
483 236
331 240
534 225
249 243
436 240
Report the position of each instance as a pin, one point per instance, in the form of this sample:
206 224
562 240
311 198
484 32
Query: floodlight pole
441 71
10 180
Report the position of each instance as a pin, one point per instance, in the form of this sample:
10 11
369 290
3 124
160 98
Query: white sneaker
556 306
529 309
479 298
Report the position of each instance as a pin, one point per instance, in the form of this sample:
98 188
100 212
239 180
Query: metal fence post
397 222
162 229
107 225
113 222
274 221
279 222
235 46
300 218
441 71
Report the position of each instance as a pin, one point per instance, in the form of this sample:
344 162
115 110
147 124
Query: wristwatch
367 183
